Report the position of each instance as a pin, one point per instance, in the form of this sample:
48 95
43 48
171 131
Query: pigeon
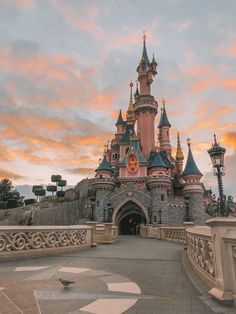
66 283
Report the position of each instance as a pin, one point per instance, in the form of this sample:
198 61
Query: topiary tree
9 198
36 187
52 188
39 193
56 178
60 194
62 184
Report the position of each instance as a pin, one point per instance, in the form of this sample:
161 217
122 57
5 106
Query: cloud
81 171
229 139
227 49
22 4
7 174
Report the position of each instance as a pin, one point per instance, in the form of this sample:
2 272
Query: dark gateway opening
130 224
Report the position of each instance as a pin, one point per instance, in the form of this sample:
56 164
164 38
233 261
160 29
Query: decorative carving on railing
144 231
200 251
115 233
178 234
24 240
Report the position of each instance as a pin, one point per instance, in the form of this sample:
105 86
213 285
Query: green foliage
55 178
52 188
30 201
36 187
40 192
9 197
60 193
62 183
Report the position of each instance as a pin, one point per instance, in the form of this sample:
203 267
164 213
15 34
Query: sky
65 69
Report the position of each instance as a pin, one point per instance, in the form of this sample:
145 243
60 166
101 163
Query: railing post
225 266
93 224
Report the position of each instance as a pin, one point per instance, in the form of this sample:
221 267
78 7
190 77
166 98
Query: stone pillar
93 224
103 187
223 232
196 207
158 187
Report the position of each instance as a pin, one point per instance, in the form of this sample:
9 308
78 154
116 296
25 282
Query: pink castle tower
145 105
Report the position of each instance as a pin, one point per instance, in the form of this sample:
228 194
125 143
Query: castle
139 181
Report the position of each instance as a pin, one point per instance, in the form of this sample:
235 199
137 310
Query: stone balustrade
28 241
200 253
211 251
162 232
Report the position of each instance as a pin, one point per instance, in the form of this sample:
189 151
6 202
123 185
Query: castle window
162 197
97 202
155 218
126 151
100 176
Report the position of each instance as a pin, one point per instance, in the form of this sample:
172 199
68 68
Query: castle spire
164 120
191 167
144 57
136 94
179 153
130 116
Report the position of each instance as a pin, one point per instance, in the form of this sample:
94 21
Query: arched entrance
129 216
130 224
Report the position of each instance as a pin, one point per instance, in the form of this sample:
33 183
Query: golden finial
163 102
188 141
179 153
130 116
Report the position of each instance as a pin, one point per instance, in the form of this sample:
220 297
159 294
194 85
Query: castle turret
164 127
120 124
145 105
193 189
103 184
179 158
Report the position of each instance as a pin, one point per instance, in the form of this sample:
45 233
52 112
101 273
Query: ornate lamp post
160 221
91 205
150 215
110 212
219 207
186 201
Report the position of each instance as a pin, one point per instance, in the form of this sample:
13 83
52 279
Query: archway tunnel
129 218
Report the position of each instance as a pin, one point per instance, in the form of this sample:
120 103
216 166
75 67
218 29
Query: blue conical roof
164 120
144 57
120 120
191 167
158 162
126 137
134 147
153 60
104 165
136 94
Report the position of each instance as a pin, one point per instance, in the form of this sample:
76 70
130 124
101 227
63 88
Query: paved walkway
135 275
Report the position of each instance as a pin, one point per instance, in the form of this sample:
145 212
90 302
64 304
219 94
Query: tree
56 178
39 192
9 197
60 194
52 188
62 184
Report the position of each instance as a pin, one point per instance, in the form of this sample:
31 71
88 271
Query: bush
30 201
60 193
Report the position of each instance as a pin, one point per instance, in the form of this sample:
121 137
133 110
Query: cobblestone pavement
134 275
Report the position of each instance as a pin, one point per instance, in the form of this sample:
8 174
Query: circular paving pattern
93 291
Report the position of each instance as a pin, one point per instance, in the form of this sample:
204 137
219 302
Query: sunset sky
65 69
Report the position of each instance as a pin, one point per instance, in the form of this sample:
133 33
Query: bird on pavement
66 283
